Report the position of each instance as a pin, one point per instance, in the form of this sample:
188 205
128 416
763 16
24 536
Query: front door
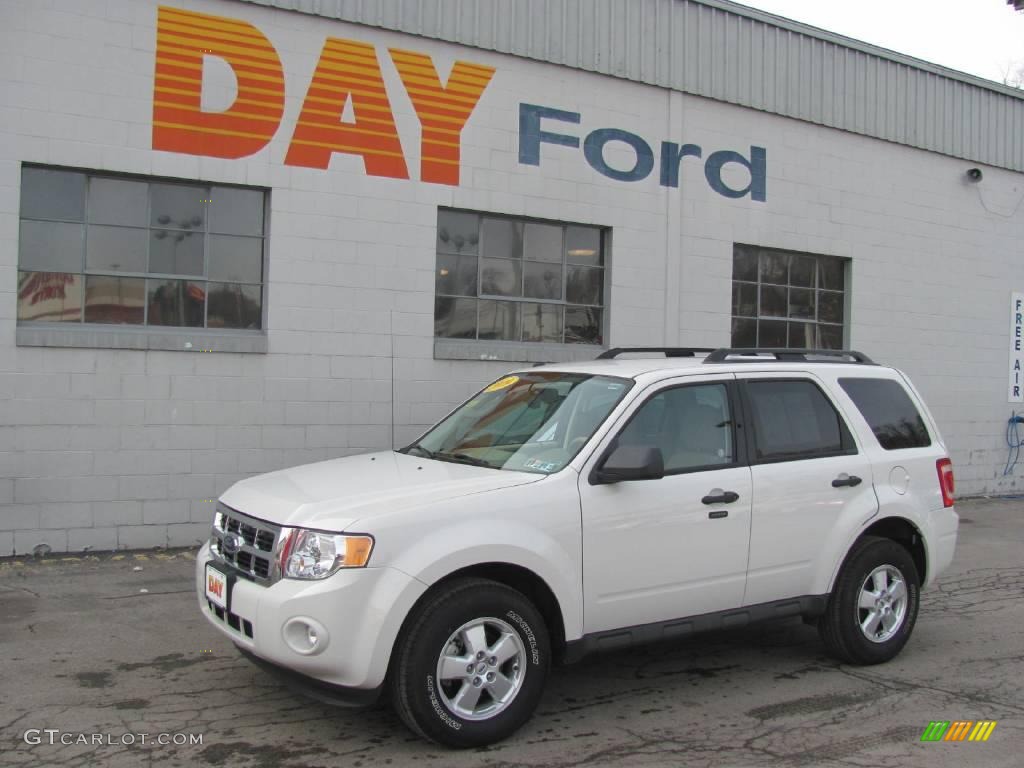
655 550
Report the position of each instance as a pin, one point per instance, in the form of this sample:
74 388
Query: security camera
974 175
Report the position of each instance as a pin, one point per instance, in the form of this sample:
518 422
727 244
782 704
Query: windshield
530 422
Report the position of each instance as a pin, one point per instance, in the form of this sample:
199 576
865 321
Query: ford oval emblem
231 543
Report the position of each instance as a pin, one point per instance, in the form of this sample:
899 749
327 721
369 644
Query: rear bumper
944 524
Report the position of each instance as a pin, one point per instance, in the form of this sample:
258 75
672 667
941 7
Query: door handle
718 496
845 479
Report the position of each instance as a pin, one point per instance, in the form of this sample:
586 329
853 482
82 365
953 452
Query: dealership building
240 235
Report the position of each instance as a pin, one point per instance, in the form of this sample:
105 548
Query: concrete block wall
103 448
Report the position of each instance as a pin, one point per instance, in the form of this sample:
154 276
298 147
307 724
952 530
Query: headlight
316 554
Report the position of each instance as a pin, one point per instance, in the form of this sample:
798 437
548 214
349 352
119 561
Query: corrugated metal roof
725 51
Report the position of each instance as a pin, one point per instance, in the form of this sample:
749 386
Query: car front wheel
470 665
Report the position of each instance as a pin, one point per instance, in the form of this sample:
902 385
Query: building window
787 299
121 250
507 279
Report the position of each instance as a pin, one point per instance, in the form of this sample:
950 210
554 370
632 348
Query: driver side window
691 425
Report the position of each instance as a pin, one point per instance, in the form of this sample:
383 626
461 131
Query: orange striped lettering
348 70
442 109
179 122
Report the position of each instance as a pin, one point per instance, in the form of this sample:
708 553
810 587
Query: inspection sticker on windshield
540 466
504 383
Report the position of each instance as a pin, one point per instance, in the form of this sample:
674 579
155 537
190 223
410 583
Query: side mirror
630 462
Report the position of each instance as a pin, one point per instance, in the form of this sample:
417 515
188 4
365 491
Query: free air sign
347 109
1016 391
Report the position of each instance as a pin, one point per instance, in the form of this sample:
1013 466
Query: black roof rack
614 352
755 355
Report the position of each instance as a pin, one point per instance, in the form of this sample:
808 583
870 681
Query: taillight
945 470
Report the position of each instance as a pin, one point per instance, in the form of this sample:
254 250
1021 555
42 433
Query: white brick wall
123 448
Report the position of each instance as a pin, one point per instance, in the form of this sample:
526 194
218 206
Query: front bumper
360 611
335 695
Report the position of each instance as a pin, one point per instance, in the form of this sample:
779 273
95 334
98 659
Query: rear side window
794 420
889 411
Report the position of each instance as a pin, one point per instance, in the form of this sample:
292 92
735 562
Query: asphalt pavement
101 652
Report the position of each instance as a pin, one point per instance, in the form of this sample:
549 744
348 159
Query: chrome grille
254 557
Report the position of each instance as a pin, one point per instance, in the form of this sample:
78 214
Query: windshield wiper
463 458
425 451
455 458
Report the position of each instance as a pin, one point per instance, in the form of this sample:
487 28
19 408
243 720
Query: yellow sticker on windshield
504 383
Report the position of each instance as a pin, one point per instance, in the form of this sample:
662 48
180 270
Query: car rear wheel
873 607
470 665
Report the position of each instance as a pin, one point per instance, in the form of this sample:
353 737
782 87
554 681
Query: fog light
305 636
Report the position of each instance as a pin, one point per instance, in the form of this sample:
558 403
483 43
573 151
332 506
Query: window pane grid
787 299
521 305
109 294
149 250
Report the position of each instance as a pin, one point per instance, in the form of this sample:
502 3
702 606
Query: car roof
654 368
628 368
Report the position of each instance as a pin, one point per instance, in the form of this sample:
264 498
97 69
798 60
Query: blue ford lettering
531 136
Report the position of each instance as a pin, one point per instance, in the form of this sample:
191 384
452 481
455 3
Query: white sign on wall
1016 392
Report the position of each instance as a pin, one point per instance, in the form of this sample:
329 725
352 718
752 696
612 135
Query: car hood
331 495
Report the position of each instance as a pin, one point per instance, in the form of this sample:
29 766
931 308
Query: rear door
904 446
812 483
904 453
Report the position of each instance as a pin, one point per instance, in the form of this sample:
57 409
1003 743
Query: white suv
567 509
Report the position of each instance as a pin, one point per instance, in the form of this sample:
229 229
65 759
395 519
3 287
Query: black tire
840 627
423 702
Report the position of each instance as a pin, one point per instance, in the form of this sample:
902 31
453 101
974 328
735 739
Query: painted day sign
348 77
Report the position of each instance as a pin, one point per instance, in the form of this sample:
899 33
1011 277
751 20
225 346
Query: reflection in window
176 302
889 411
501 277
542 281
173 252
582 325
786 299
119 300
456 275
233 306
49 297
117 201
544 242
50 246
454 318
532 422
98 248
115 249
691 426
458 233
542 322
47 193
235 259
794 420
499 320
506 279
